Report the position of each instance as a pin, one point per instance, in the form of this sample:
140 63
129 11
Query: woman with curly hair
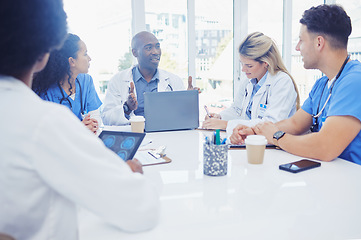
64 80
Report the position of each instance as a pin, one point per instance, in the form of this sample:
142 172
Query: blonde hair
261 48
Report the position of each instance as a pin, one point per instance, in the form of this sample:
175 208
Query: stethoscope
68 101
314 127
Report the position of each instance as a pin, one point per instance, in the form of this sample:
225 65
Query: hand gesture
240 133
190 85
132 99
266 129
91 124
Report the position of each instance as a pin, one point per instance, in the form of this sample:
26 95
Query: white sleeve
235 110
176 82
113 112
77 165
281 101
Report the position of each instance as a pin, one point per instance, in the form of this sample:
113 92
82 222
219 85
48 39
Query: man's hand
91 123
135 165
266 129
240 133
132 99
190 85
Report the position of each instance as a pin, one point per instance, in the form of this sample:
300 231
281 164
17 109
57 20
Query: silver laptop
166 111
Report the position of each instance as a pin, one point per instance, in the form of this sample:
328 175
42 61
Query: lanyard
67 98
314 127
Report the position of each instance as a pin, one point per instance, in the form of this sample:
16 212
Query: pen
218 137
224 141
209 115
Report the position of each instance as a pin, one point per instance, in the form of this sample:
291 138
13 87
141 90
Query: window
105 28
303 77
214 58
353 9
171 32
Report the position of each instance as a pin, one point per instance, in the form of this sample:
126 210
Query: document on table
146 158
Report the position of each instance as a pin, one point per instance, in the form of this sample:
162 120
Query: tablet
124 144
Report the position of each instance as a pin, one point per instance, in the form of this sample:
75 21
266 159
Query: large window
269 22
167 21
214 53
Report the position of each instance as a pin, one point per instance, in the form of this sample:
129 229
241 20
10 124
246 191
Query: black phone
299 166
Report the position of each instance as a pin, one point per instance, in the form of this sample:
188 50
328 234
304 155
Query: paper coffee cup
255 145
137 124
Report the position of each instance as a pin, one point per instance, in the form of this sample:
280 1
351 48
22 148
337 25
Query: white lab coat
118 91
277 93
50 162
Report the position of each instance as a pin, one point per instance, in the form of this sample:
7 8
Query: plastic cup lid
256 140
137 119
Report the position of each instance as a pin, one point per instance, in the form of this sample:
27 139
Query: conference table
250 202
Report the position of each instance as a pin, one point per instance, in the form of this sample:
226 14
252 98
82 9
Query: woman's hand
91 124
213 115
214 123
240 133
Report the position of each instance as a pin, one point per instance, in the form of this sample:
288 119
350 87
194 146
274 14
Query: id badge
262 110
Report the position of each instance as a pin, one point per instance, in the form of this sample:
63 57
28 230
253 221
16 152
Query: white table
251 202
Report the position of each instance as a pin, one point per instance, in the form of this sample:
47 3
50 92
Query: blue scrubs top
345 101
89 96
142 86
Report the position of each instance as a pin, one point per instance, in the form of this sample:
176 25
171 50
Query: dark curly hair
29 29
57 68
330 20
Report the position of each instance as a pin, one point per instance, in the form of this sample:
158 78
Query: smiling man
125 90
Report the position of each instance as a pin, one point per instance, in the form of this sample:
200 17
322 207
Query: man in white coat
50 163
124 96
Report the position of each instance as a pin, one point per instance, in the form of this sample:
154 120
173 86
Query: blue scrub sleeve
92 100
346 99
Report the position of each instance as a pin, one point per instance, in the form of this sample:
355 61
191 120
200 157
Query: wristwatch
277 135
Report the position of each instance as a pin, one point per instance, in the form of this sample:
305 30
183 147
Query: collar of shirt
257 86
138 76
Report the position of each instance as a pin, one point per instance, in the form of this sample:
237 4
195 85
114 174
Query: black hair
29 29
330 20
57 68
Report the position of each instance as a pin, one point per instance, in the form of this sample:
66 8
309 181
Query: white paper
146 159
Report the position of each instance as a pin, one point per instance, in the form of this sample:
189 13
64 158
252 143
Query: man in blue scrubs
333 108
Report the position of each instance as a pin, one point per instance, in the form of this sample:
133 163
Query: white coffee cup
255 145
137 123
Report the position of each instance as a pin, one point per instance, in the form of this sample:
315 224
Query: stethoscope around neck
314 127
66 98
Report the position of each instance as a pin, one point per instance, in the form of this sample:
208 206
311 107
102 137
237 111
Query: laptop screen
124 144
176 110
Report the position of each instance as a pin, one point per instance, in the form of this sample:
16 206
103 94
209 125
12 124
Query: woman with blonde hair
270 94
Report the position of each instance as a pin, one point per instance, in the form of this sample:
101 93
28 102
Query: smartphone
299 166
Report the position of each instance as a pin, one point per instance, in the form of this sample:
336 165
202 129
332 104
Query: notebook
124 144
176 110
